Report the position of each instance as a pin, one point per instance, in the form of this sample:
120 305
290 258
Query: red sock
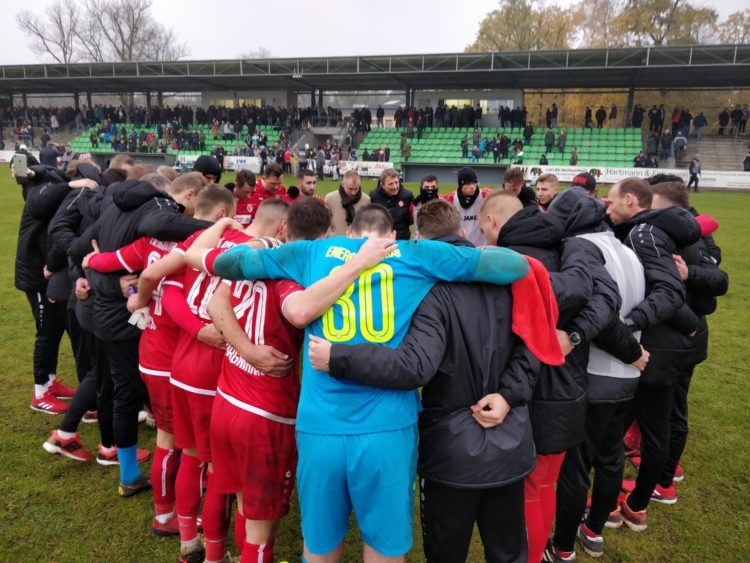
239 531
547 494
215 522
163 473
262 553
188 496
535 531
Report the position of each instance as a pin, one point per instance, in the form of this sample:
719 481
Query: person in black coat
136 209
588 301
612 383
654 235
723 121
397 200
698 265
45 190
601 115
475 445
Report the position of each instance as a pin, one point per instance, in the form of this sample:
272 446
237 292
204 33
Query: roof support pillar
76 101
24 105
148 99
629 109
159 99
312 98
88 99
320 98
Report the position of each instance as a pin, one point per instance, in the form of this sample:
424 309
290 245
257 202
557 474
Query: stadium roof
709 66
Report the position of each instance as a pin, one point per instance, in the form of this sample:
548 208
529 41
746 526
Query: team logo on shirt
400 203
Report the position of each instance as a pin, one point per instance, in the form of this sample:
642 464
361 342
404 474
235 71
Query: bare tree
101 31
55 37
259 53
736 28
124 30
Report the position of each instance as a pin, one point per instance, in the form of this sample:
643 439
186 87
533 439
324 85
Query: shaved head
497 209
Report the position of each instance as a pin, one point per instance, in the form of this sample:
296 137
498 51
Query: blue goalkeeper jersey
376 308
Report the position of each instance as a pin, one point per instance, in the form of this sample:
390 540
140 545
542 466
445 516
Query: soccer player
588 300
306 182
156 345
475 443
195 370
254 412
356 444
244 188
270 186
654 236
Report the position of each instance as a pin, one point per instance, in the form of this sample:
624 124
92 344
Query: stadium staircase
596 147
717 152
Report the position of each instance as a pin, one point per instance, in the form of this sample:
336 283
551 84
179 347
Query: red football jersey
158 340
257 305
245 212
196 365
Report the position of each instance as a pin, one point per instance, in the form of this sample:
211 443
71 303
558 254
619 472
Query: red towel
535 314
708 224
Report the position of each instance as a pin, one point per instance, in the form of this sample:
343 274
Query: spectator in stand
680 145
549 140
562 139
699 123
744 118
723 121
651 162
548 118
746 163
587 121
528 131
652 143
554 116
695 170
54 124
613 116
601 115
379 114
345 202
736 117
406 151
665 146
653 118
465 147
637 119
640 161
543 160
574 157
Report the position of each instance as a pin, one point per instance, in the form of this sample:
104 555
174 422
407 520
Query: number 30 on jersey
374 318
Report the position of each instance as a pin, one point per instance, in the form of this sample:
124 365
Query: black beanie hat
467 176
585 180
208 165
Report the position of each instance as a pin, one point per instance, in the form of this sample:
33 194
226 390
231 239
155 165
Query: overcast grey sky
217 29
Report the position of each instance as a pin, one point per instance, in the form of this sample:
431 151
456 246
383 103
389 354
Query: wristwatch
575 338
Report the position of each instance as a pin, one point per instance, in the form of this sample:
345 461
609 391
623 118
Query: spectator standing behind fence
723 121
601 115
549 140
613 116
698 124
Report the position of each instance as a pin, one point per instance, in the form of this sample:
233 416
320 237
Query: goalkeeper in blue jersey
358 445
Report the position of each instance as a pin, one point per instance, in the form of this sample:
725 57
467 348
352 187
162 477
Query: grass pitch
52 509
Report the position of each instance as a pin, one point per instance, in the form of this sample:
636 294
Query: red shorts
160 394
254 456
192 421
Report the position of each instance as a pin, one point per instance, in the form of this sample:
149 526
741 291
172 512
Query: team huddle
281 341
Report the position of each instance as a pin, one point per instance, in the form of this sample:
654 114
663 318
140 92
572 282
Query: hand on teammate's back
210 335
87 258
642 362
125 282
491 410
270 361
374 250
320 353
